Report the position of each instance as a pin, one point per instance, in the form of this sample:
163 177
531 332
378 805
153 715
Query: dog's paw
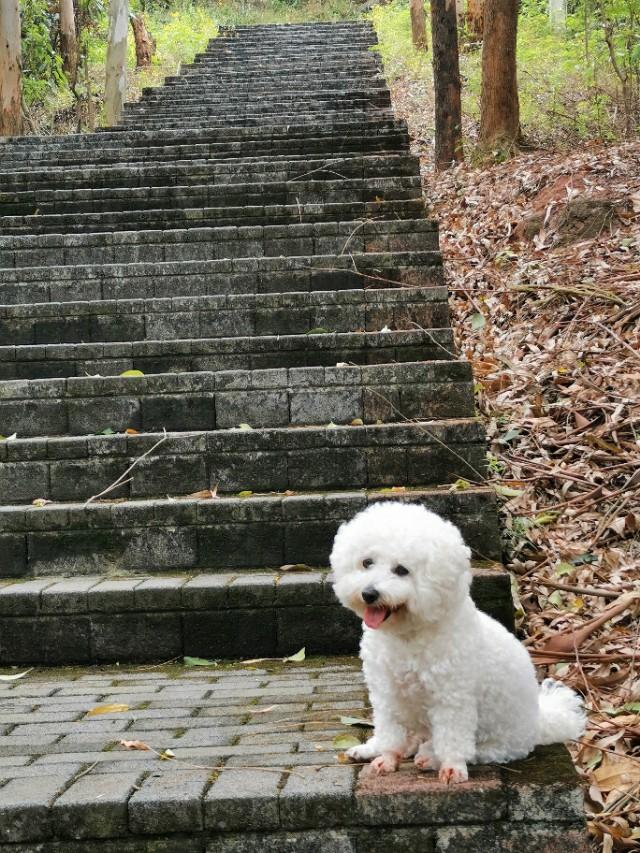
453 774
388 762
423 762
362 752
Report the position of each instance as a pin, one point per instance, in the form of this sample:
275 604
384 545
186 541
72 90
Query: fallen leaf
357 721
357 422
16 676
460 485
247 493
167 755
116 708
477 322
297 658
245 427
262 710
41 502
135 744
581 421
616 773
131 431
295 567
203 495
11 437
506 491
132 373
343 742
190 661
318 331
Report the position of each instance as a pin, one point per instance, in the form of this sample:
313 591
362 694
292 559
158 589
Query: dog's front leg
387 746
454 738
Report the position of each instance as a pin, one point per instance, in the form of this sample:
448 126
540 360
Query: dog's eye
400 571
366 563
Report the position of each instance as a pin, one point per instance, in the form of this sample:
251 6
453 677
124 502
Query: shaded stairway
251 239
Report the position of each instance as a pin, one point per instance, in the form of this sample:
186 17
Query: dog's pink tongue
374 616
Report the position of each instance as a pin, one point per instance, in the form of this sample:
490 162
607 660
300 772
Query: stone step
209 400
307 190
224 534
150 618
144 138
240 216
210 172
301 148
191 144
301 86
348 457
223 316
126 247
239 781
312 119
239 107
43 361
75 283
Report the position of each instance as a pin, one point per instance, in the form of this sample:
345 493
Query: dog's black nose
370 594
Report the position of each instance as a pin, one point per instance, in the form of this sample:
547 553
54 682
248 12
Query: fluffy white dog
447 683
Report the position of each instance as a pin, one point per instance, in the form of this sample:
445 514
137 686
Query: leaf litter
557 367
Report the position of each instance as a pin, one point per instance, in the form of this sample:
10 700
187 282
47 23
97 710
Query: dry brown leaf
135 744
115 708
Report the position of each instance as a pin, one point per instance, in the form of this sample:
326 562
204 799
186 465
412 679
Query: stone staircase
251 242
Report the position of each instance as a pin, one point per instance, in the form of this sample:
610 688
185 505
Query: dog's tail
561 713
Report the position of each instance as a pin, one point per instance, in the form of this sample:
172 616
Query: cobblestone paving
254 769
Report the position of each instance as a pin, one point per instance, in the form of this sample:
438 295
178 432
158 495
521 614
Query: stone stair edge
243 462
300 605
260 264
230 301
57 196
169 135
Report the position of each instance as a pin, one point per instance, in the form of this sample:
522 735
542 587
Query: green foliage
400 57
41 62
568 88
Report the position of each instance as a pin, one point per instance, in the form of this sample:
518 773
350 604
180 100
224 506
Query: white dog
447 683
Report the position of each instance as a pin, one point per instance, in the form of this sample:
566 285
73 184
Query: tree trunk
474 19
446 81
68 42
11 122
418 24
499 105
145 44
116 78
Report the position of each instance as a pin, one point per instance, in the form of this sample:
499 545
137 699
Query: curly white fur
447 683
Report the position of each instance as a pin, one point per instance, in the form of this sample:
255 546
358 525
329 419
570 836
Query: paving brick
24 806
243 800
318 797
169 801
94 807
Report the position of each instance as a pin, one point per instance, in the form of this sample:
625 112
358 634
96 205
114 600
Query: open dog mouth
375 616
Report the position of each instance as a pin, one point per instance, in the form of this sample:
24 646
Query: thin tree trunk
499 105
68 41
11 121
91 111
418 24
145 44
474 19
116 77
446 81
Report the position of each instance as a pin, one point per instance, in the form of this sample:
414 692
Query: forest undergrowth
541 254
